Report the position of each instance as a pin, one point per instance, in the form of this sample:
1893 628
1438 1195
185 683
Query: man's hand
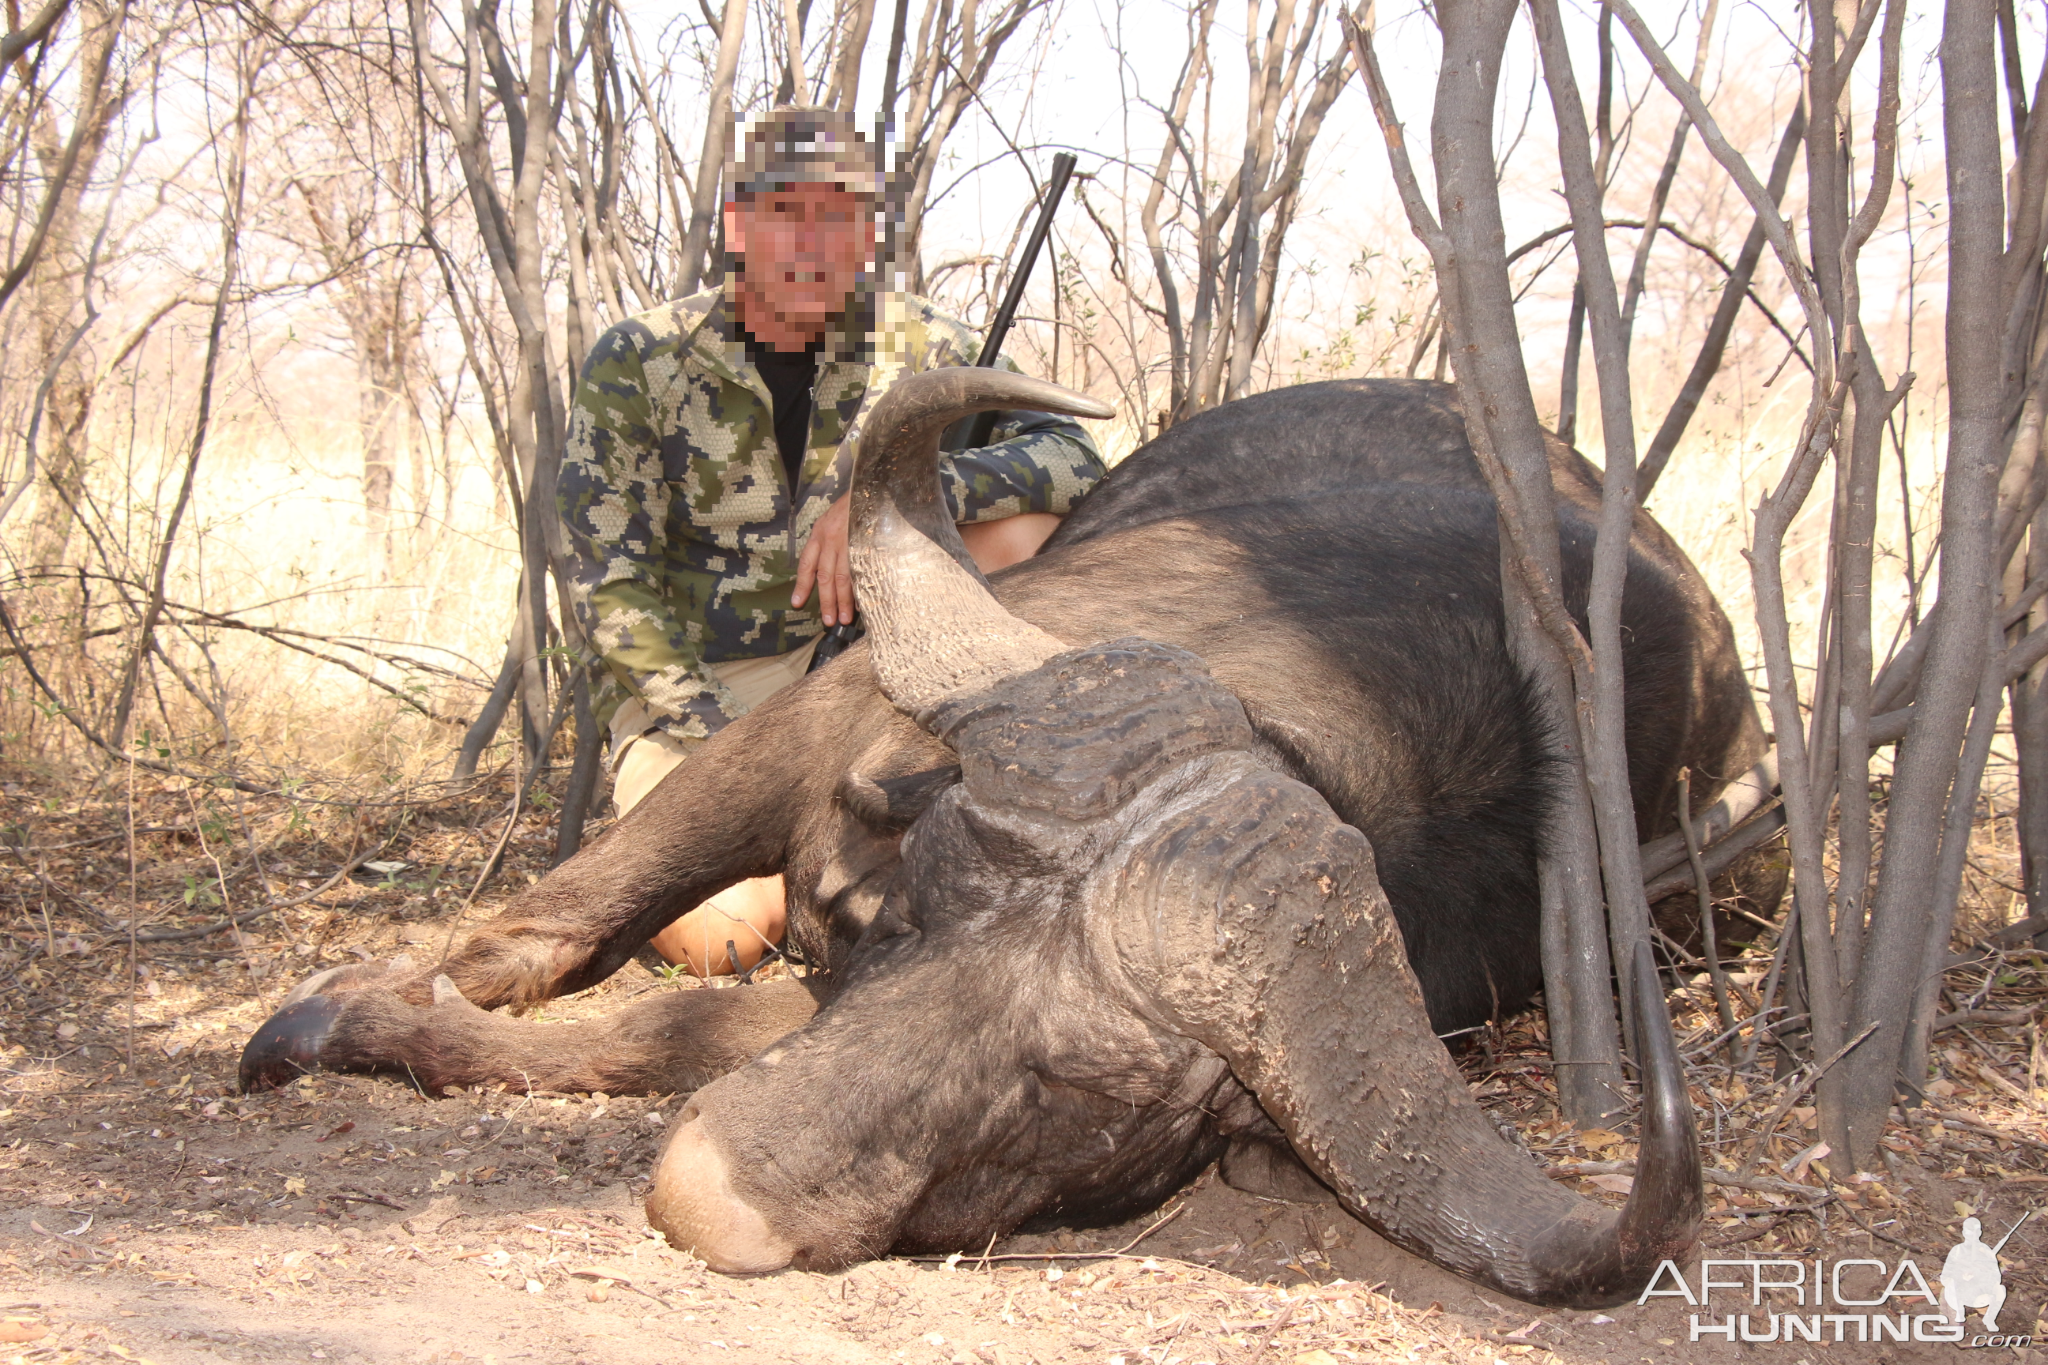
825 562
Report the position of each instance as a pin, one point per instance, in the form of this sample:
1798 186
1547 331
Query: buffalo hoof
288 1045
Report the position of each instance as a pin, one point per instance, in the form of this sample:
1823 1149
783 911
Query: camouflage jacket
682 528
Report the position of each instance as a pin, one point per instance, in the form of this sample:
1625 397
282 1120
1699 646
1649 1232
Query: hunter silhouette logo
1970 1276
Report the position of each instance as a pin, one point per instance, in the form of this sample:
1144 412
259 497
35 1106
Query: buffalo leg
674 850
671 1044
723 817
586 919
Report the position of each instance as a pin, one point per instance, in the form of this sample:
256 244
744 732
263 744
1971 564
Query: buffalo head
1120 937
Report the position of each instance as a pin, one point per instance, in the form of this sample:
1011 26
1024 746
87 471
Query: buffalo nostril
692 1203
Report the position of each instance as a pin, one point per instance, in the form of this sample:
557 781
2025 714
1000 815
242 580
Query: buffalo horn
935 628
1292 967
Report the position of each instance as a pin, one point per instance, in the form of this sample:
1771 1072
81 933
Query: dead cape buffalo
1185 844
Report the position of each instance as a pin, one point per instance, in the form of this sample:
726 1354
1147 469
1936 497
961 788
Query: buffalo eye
895 919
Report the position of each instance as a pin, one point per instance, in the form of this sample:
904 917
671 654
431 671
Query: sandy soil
148 1212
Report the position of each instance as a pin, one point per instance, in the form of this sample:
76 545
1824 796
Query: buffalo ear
890 805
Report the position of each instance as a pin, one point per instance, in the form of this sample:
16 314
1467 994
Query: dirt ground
149 1212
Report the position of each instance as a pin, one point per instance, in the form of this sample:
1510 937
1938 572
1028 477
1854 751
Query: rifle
975 431
999 329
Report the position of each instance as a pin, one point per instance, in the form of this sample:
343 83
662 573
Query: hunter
710 450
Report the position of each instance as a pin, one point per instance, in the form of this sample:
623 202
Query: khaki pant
647 755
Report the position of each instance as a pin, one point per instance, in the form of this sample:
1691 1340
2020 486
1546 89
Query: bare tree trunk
1262 110
732 27
1500 419
53 265
583 772
2030 738
1854 547
793 83
845 87
1238 235
1896 957
374 299
1568 370
489 717
1955 847
1155 238
1806 794
2030 692
1628 913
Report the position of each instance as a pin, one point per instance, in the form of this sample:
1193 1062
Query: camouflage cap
796 143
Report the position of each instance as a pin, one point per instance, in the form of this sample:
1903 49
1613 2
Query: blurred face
806 247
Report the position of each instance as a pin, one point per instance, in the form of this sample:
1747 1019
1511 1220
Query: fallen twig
363 1196
1760 1184
1123 1250
2002 1018
1278 1324
1740 800
1748 1234
1720 856
594 1273
1813 1074
1950 1116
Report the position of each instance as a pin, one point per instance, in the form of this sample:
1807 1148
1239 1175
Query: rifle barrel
1013 297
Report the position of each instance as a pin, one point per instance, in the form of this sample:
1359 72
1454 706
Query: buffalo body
1305 716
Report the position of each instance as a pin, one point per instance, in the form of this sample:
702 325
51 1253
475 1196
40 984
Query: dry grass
276 539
